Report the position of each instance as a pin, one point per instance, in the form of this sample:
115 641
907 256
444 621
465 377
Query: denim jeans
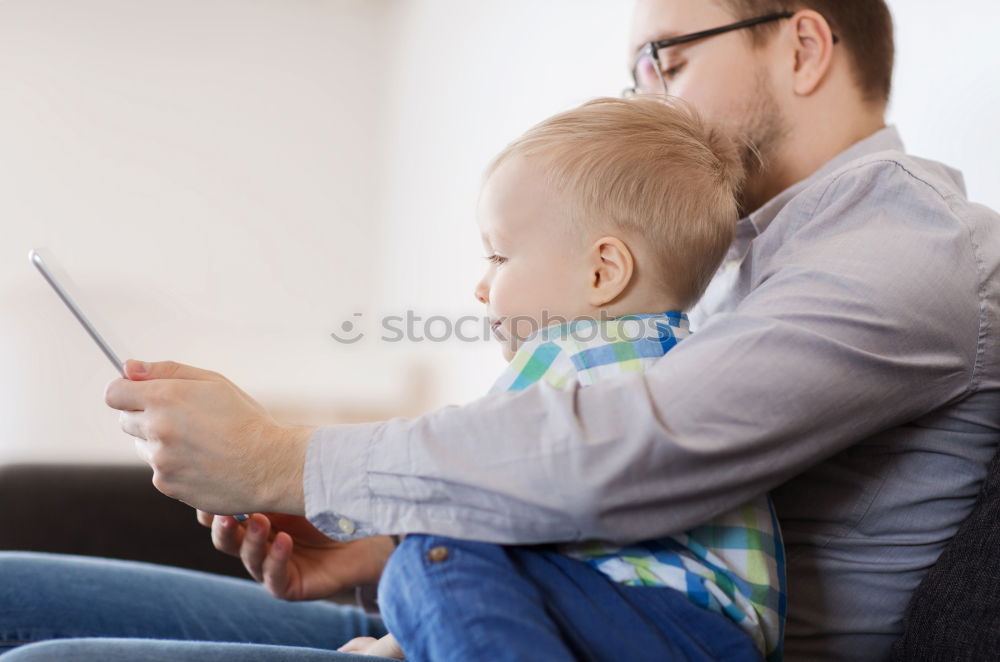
449 600
90 609
474 601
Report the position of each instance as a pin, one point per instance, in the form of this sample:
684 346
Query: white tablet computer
36 259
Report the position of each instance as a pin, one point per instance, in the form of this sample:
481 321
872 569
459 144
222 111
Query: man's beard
762 133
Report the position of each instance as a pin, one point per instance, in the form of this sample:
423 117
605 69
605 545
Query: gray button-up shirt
846 358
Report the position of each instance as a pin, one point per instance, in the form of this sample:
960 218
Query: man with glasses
852 339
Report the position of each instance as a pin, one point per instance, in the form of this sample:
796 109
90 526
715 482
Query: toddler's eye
495 259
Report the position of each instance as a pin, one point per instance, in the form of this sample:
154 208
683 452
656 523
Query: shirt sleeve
862 318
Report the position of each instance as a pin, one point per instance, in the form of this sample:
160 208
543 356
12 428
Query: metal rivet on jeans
437 554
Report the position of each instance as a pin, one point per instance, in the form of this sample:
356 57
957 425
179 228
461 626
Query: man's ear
611 269
813 44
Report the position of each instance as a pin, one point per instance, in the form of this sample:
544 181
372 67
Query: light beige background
227 181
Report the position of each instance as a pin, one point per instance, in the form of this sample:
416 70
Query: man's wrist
284 490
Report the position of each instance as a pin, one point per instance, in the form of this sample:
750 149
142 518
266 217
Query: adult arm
863 314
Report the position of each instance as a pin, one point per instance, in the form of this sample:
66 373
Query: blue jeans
450 600
140 612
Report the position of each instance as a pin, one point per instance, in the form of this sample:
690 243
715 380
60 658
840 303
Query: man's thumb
137 370
142 371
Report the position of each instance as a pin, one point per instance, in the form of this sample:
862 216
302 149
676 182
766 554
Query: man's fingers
275 566
144 449
141 371
254 547
131 423
123 395
144 425
227 535
205 519
140 390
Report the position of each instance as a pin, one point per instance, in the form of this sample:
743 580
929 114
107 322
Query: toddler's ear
611 270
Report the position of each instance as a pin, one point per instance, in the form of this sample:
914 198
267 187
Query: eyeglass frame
653 48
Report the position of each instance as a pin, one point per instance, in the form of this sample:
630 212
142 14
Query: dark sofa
954 615
103 511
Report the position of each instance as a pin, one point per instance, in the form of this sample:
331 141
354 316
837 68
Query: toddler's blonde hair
652 170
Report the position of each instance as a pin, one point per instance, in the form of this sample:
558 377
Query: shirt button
437 554
346 525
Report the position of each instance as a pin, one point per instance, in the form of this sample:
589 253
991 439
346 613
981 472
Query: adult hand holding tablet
150 411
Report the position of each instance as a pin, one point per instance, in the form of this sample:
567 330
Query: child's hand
387 646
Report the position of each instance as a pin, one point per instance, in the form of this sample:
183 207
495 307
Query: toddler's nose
481 292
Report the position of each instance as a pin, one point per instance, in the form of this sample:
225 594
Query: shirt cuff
335 480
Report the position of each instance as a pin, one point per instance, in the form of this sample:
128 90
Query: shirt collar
671 314
880 141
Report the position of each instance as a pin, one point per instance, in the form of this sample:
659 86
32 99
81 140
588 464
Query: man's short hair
653 171
864 28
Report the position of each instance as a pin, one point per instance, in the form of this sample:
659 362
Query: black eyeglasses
648 71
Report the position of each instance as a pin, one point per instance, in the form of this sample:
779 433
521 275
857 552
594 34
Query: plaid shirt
733 565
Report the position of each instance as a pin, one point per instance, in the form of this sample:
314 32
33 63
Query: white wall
947 87
206 171
229 180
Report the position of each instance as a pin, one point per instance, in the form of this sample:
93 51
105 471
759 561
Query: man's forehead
655 20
